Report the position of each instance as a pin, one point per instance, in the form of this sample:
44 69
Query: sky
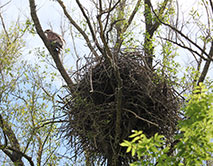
49 13
51 17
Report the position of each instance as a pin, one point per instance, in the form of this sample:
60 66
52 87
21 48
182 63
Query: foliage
27 103
193 142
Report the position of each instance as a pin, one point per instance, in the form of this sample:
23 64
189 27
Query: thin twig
141 118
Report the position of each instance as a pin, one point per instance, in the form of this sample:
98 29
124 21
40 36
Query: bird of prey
56 40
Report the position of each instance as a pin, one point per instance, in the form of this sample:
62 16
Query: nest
148 103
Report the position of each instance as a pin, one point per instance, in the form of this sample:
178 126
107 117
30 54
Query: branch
108 53
109 11
138 4
7 130
206 66
86 38
54 54
161 11
179 32
5 4
150 29
111 27
29 159
5 137
183 46
4 27
40 150
211 5
15 156
90 26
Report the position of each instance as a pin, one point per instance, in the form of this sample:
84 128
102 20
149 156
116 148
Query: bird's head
47 31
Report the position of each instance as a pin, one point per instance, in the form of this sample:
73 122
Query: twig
5 4
141 118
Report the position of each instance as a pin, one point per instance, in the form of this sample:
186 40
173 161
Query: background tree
28 111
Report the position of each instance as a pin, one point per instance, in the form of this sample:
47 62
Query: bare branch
4 27
78 28
109 11
152 123
90 26
211 5
179 32
5 4
137 6
108 53
185 47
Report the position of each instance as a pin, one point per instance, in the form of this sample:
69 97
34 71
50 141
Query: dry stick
54 54
148 121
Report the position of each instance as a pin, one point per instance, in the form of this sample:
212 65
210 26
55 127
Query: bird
56 40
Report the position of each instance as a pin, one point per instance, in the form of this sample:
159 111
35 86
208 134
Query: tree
28 111
110 33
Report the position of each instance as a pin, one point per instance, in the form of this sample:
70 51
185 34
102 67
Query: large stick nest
148 104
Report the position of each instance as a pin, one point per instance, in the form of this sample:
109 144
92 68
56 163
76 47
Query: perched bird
56 40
